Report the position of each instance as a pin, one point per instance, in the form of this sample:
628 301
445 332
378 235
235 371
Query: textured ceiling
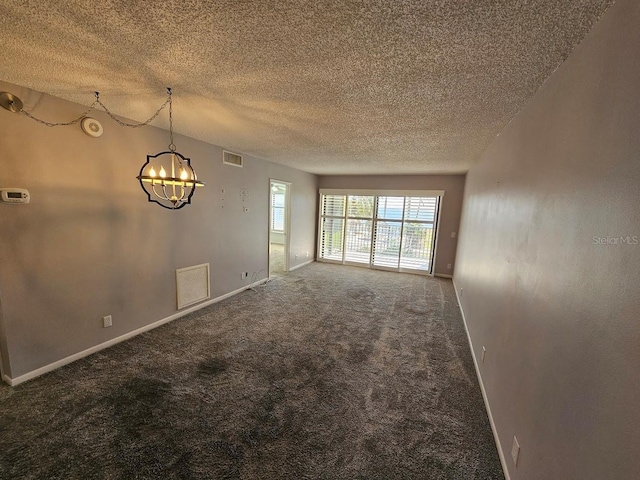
335 86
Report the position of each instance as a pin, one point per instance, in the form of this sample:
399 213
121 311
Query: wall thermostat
14 195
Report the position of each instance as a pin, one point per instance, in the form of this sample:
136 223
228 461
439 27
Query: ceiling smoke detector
91 127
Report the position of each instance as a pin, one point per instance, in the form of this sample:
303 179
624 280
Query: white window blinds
277 211
332 227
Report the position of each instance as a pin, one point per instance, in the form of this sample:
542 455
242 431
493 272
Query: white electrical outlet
448 266
453 234
107 321
484 352
244 275
515 451
307 254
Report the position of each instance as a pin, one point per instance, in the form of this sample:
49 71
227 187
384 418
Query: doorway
279 225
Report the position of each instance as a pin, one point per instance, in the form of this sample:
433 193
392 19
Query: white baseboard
484 392
301 265
442 275
85 353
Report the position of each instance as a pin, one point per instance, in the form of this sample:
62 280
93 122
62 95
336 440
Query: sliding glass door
390 232
332 227
418 232
358 231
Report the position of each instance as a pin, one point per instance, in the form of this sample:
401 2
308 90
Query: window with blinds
391 232
332 227
388 232
359 225
277 211
418 228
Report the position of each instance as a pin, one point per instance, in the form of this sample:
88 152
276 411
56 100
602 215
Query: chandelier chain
97 101
172 146
132 125
60 124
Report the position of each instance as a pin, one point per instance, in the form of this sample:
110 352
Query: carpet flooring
328 372
276 260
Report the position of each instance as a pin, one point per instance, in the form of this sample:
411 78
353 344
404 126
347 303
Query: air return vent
192 284
229 158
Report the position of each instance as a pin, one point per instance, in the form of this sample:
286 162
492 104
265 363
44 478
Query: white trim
302 265
399 193
435 245
503 461
287 223
443 275
319 235
85 353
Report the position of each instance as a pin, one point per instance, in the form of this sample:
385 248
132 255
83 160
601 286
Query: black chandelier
171 187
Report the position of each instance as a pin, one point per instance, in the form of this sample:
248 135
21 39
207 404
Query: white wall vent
229 158
192 284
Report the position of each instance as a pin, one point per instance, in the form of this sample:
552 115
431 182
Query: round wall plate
10 102
91 127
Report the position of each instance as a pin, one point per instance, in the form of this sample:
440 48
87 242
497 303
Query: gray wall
89 244
557 309
453 186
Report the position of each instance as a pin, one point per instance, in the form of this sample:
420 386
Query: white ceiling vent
229 158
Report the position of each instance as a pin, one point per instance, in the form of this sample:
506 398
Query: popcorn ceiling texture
330 87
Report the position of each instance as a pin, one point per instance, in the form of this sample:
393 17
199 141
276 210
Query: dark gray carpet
329 372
